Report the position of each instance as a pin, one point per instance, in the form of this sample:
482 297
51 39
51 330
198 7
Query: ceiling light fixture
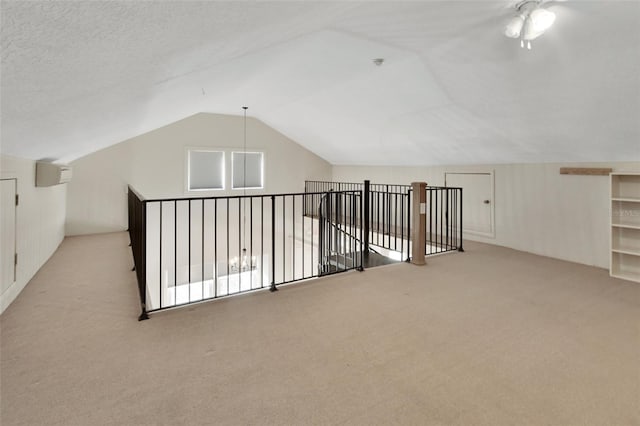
530 22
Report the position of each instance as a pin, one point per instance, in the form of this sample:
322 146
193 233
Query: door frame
492 212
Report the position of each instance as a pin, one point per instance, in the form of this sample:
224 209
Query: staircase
340 225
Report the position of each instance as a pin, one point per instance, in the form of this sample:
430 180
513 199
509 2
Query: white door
8 232
477 201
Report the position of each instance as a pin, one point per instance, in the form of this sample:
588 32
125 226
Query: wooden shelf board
626 250
627 199
625 225
587 171
626 276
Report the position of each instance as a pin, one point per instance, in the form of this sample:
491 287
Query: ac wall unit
49 174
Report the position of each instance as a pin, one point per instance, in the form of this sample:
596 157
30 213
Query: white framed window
205 170
247 170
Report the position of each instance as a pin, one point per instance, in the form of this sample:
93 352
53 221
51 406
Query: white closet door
477 201
8 232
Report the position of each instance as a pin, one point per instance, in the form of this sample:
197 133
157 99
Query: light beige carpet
489 337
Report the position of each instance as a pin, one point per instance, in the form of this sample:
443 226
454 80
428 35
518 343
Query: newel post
418 222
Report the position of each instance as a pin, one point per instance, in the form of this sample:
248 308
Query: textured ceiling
80 76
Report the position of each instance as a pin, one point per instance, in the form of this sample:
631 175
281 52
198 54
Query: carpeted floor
487 337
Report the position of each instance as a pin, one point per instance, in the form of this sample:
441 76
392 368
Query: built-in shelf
625 226
625 185
625 240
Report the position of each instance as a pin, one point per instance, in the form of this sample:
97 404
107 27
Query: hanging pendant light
244 153
244 263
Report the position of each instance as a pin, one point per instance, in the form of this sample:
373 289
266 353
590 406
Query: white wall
154 163
40 220
536 209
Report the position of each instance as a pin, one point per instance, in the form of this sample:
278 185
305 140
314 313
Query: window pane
206 170
253 176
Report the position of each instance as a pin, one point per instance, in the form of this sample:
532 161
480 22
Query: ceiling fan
532 19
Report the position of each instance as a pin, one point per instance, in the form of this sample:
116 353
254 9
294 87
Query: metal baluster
160 260
344 229
189 257
461 222
440 219
293 237
432 218
251 264
395 221
202 251
215 247
304 220
408 225
175 251
284 236
401 226
227 252
366 213
240 243
261 242
273 244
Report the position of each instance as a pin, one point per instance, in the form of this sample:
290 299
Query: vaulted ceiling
80 76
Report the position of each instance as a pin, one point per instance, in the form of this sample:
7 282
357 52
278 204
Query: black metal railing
387 213
187 250
326 186
316 189
389 223
137 237
387 209
340 232
443 219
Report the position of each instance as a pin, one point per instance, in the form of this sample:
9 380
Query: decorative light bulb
537 23
514 27
542 19
522 43
529 45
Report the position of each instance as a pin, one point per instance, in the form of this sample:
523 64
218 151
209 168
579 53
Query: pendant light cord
244 183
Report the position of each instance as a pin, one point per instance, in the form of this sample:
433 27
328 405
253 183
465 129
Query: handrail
233 197
137 194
